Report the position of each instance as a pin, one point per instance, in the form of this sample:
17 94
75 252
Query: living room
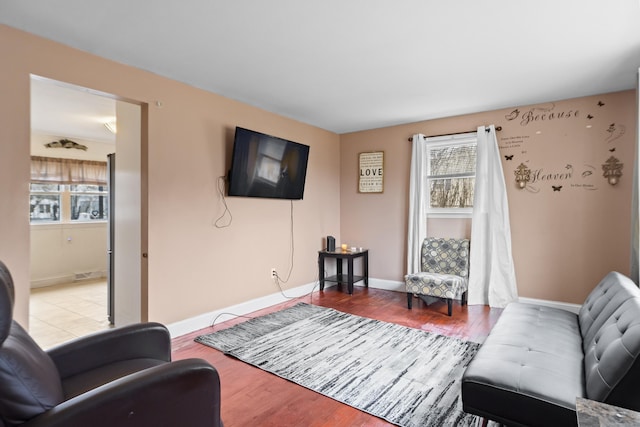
564 240
190 134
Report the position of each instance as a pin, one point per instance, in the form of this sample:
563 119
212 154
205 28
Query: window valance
68 171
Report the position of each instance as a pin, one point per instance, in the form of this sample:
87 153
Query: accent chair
444 271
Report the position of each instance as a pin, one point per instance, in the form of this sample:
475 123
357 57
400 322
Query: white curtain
492 278
635 200
417 229
635 233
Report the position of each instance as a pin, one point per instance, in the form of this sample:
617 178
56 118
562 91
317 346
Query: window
451 171
88 202
45 203
68 203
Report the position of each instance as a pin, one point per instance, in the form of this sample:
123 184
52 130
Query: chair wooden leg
449 305
464 298
409 300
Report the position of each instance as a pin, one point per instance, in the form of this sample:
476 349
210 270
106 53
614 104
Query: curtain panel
68 171
635 199
492 278
418 193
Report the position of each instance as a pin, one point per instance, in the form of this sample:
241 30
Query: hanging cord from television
291 250
279 280
215 319
310 295
217 223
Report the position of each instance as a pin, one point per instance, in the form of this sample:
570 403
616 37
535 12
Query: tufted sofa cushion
612 358
606 298
610 326
529 370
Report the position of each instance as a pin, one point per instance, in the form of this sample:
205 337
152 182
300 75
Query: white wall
127 216
61 251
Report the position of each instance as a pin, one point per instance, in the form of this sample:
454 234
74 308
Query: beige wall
194 267
564 241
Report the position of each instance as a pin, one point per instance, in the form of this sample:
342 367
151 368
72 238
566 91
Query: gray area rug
406 376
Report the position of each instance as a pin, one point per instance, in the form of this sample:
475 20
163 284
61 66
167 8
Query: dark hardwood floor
252 397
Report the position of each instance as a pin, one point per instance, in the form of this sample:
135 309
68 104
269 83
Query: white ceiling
70 111
348 65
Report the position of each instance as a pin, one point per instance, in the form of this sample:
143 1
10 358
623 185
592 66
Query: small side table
340 256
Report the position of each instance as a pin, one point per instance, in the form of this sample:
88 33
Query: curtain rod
498 129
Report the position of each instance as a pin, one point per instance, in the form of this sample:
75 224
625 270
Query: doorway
69 227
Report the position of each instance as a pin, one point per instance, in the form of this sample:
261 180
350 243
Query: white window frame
64 196
439 142
95 193
56 193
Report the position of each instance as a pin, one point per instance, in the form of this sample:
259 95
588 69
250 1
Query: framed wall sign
371 172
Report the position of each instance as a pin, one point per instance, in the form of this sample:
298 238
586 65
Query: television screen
267 166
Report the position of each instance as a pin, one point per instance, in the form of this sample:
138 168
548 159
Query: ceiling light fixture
111 126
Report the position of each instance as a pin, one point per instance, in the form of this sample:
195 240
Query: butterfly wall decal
600 103
556 187
589 116
510 157
612 149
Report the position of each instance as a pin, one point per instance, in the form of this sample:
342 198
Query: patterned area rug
406 376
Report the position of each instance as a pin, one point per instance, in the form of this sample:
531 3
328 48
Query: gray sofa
537 360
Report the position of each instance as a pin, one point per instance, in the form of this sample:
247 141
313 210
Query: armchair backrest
29 380
445 256
6 302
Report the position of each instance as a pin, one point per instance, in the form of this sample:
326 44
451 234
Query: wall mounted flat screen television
267 166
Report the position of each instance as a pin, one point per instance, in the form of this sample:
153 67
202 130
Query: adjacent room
328 214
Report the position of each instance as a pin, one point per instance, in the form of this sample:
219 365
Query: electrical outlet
273 273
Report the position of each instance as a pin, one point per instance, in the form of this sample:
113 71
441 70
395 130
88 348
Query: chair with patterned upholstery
444 271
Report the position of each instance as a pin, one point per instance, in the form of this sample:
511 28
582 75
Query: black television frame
267 166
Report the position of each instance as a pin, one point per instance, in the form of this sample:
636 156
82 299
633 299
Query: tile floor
62 312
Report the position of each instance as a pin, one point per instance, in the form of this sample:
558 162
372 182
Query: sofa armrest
185 392
141 340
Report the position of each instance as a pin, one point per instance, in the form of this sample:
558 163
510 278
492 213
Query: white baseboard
396 286
69 278
574 308
388 285
50 281
205 320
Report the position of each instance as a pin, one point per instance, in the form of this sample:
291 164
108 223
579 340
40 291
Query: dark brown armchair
120 377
